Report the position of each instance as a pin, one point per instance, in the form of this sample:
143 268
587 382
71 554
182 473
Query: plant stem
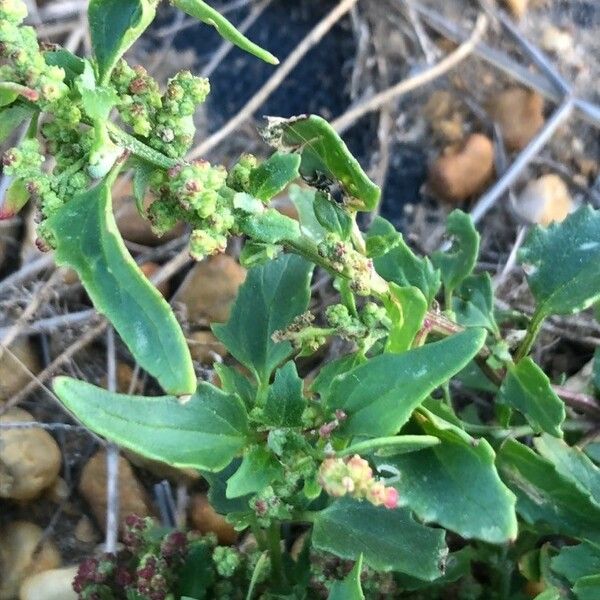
260 563
532 332
274 542
385 442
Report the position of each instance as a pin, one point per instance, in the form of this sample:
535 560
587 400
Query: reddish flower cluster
354 477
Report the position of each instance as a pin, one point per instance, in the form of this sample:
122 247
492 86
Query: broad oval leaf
114 26
87 239
258 469
272 295
455 484
324 154
527 389
273 175
12 116
204 433
349 588
389 540
400 265
565 263
205 13
285 402
380 395
544 496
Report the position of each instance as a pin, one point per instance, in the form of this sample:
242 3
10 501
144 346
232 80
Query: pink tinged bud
391 497
376 494
348 484
340 415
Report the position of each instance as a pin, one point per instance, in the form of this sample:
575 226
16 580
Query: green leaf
380 395
388 539
114 26
217 491
141 182
7 97
270 227
87 239
458 263
14 200
11 117
304 201
324 155
259 469
285 402
97 100
332 216
391 446
587 588
401 265
196 575
72 64
203 12
572 464
204 433
527 389
272 295
406 308
233 382
544 496
331 370
349 588
473 303
455 484
273 175
564 258
575 562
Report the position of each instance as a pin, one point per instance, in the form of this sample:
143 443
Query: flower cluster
354 477
26 65
165 121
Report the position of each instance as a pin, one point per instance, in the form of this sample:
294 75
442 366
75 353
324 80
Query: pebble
205 347
462 173
518 8
520 115
205 519
85 532
556 40
18 543
30 459
132 496
210 288
54 584
545 200
15 367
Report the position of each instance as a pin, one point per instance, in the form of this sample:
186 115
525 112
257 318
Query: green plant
376 457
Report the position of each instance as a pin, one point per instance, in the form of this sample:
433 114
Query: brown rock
210 288
16 367
29 458
520 115
55 584
205 519
545 200
205 347
461 174
85 531
132 496
19 558
518 8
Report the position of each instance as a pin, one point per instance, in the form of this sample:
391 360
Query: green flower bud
13 11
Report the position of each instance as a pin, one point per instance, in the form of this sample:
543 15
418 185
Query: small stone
205 519
520 115
210 288
85 532
54 584
132 496
58 492
443 112
148 269
30 459
205 347
556 40
518 8
18 557
463 173
16 367
545 200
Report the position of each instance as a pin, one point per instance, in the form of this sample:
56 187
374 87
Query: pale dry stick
39 297
62 10
40 425
176 263
53 323
112 455
248 110
225 48
345 121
